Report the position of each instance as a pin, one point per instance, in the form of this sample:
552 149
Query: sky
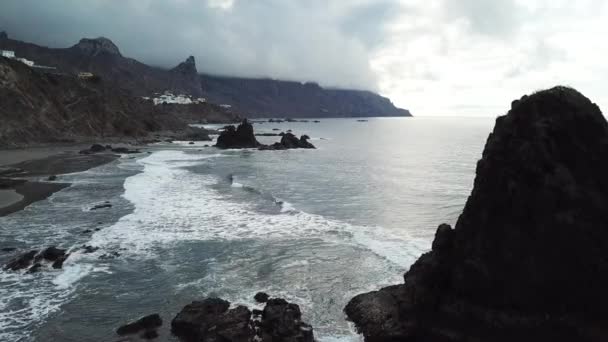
434 57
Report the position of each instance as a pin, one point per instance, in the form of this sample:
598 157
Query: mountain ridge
255 97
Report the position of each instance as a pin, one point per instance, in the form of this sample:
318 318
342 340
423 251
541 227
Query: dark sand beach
24 173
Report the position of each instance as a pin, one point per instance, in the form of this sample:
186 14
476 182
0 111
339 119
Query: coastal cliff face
285 99
39 107
252 97
527 258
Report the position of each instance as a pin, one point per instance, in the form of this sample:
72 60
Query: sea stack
239 137
528 257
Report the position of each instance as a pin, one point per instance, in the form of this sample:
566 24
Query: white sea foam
173 204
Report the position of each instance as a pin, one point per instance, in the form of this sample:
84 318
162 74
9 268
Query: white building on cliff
7 53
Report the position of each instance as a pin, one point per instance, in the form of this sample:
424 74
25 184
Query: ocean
315 227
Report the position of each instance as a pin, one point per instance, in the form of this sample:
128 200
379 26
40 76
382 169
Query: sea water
315 227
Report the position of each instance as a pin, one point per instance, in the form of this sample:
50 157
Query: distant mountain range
249 97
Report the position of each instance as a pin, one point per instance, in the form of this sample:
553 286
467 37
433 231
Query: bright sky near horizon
434 57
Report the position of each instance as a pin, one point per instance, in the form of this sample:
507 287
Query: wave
173 204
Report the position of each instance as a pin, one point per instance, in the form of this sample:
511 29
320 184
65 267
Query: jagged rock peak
187 67
96 46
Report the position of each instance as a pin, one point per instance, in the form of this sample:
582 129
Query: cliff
252 97
527 258
38 107
285 99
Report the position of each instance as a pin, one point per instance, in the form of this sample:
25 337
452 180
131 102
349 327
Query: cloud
435 57
483 54
297 40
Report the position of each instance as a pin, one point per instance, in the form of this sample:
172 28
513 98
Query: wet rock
57 264
87 231
212 320
527 258
89 249
240 137
282 321
125 150
109 256
95 148
22 261
35 268
148 324
290 141
52 178
102 206
261 297
51 253
191 143
149 334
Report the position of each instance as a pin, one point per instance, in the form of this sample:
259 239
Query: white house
8 53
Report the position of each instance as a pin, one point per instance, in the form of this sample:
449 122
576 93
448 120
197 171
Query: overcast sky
434 57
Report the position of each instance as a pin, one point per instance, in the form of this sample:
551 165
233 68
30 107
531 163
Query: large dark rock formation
213 320
239 137
527 260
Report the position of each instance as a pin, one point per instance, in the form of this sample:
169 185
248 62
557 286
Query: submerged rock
148 324
527 258
125 150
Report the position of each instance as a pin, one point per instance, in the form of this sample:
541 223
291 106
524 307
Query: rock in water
282 321
147 323
527 260
261 297
212 320
240 137
289 141
22 261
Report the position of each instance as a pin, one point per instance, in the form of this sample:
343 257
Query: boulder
526 260
212 320
22 261
289 141
261 297
282 321
51 254
147 323
239 137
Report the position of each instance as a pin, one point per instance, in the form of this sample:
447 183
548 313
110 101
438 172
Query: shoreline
27 175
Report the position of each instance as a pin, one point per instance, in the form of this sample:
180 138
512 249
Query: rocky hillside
527 258
284 99
102 57
252 97
38 107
